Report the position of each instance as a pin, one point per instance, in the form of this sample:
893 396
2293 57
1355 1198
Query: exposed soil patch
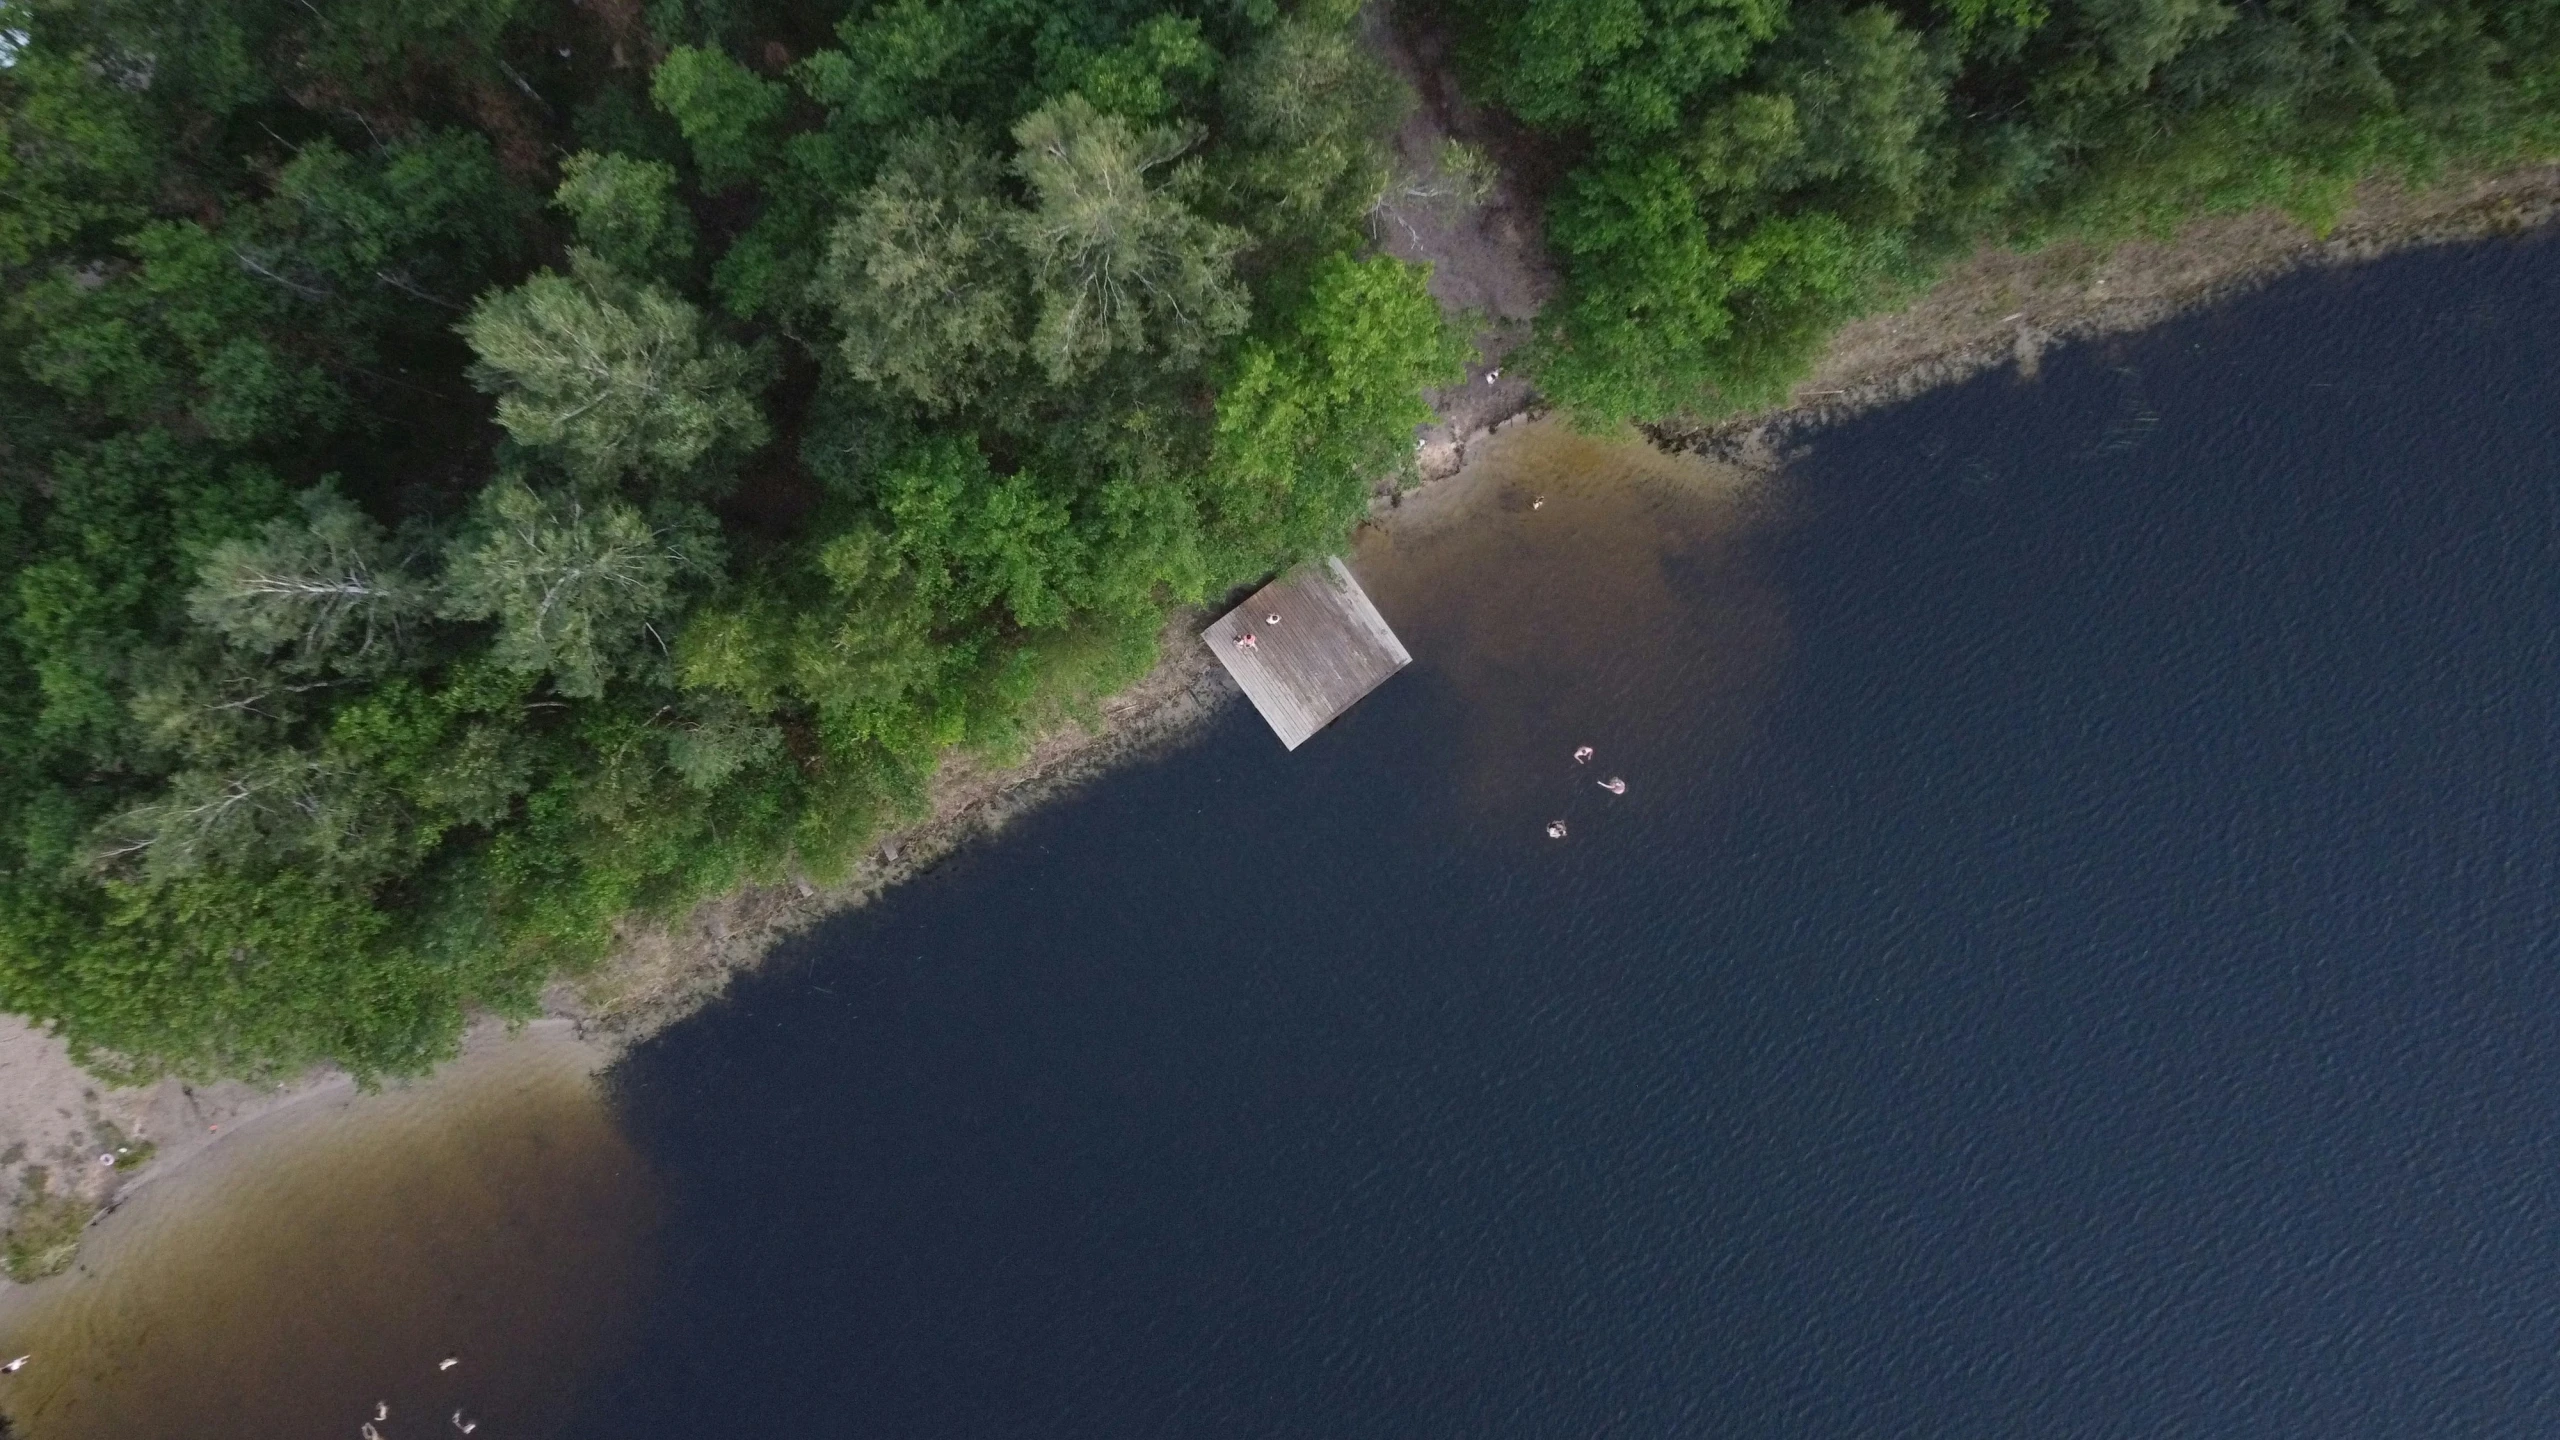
1489 263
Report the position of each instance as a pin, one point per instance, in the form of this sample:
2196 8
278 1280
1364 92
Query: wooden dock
1329 648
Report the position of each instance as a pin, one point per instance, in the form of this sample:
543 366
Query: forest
475 471
1744 176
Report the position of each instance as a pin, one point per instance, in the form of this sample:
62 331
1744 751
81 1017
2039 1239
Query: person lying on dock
1246 641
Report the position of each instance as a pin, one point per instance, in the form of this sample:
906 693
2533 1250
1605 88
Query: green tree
579 588
922 275
189 332
1627 68
283 808
325 591
76 152
1120 266
727 112
627 212
421 223
974 538
1146 76
1310 107
611 375
1314 417
899 61
849 635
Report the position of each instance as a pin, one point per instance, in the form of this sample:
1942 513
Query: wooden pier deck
1330 648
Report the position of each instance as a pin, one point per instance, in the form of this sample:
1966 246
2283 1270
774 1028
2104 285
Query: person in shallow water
1614 785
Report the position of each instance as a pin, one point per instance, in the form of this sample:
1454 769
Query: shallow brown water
325 1257
1582 591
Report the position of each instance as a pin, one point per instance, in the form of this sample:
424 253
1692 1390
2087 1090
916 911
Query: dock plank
1330 648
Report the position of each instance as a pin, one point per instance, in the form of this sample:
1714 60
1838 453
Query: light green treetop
626 211
923 276
577 586
611 375
327 590
1119 264
726 111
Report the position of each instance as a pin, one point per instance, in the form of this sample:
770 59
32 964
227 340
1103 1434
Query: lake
2075 956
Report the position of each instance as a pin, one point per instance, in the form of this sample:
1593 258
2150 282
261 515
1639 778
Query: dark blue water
2107 986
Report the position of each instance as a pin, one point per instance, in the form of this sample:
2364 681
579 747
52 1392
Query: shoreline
1998 308
2064 294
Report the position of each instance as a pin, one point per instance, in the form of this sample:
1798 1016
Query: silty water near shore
326 1256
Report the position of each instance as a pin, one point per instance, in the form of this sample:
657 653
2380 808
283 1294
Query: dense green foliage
1750 173
472 471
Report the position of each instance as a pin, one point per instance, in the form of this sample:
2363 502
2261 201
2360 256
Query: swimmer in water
1555 829
1582 755
14 1366
381 1409
448 1362
1614 785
